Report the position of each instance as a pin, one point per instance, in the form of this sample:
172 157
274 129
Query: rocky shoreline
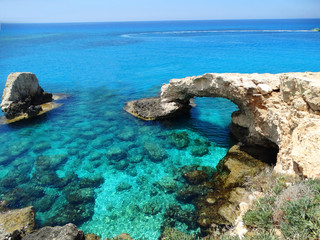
281 111
278 122
18 224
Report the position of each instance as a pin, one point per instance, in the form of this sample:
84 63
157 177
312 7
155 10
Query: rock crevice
275 110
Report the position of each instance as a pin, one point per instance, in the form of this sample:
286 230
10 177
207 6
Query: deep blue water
91 163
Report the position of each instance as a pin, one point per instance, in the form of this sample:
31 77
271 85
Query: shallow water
91 163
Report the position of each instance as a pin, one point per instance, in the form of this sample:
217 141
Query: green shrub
228 237
291 204
261 214
293 192
261 236
301 218
314 184
280 184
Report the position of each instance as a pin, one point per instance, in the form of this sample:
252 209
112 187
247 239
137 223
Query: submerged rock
82 195
5 160
91 236
123 236
196 177
172 233
75 213
46 178
12 179
45 203
93 182
15 224
116 153
151 208
190 193
180 139
18 149
135 155
167 184
155 151
50 162
123 186
41 147
175 214
22 94
200 147
66 232
23 196
126 134
121 165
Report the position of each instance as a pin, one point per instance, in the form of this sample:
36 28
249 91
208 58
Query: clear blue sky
146 10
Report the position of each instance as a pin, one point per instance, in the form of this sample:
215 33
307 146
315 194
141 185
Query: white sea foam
211 31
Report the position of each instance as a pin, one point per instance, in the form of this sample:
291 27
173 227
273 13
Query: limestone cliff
275 110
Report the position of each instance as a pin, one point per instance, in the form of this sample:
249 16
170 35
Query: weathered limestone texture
221 206
275 110
66 232
23 95
15 224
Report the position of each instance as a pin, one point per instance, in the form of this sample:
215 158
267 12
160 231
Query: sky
153 10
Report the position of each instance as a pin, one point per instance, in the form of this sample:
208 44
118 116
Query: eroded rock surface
275 110
66 232
22 94
221 204
16 223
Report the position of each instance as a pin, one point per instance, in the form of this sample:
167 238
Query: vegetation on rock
291 209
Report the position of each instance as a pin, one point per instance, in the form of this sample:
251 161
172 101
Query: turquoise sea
89 162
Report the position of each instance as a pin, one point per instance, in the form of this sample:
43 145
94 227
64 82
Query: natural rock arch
280 110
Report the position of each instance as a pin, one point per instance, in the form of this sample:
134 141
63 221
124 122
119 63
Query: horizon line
169 20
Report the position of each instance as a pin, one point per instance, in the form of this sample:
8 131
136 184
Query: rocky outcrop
275 110
23 95
66 232
221 205
16 223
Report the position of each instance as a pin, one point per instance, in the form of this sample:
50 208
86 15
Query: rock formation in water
23 95
275 110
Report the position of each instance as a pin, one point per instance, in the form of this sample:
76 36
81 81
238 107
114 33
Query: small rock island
24 98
